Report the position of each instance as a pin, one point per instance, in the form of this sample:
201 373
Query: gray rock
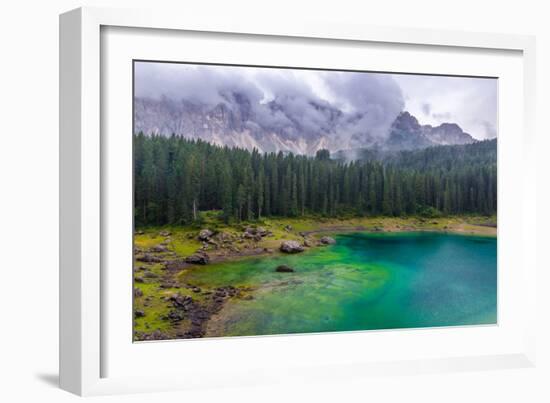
175 315
148 258
176 264
181 301
308 243
159 248
205 234
291 247
261 231
198 258
156 335
326 240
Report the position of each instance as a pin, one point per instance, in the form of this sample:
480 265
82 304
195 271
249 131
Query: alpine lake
364 281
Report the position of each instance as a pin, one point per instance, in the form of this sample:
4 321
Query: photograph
278 200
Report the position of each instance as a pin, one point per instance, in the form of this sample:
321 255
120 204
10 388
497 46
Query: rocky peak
407 134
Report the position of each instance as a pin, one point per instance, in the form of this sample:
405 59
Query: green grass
156 308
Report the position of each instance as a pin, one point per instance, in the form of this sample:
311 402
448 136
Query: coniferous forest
175 178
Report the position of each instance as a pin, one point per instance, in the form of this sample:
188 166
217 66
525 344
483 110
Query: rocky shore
167 308
188 314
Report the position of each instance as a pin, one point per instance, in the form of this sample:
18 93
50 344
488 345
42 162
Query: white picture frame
83 173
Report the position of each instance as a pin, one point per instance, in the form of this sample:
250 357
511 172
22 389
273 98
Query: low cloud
427 109
347 107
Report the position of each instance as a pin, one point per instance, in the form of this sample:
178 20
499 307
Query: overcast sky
376 97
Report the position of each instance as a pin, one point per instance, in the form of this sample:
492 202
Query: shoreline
481 231
169 305
218 259
237 247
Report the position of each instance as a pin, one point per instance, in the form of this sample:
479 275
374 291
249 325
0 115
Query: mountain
279 125
407 134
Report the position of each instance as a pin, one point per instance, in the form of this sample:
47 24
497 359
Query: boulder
159 248
181 301
139 314
205 234
224 237
326 240
175 315
288 228
283 268
308 243
146 257
291 247
261 231
255 233
198 258
177 264
137 292
165 233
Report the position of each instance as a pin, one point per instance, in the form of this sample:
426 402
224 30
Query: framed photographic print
322 197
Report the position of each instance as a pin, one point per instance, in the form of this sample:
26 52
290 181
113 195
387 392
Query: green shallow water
365 281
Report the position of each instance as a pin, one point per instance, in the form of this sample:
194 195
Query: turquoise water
365 281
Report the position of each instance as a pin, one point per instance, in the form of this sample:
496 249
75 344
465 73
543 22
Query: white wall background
29 201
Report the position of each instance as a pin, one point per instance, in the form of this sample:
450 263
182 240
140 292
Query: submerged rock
326 240
283 268
291 247
198 258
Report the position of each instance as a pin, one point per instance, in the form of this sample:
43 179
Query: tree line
175 178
